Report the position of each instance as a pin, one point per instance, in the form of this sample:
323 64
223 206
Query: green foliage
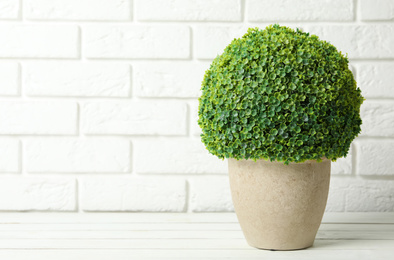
282 95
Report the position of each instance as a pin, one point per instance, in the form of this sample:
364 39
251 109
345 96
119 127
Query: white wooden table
117 236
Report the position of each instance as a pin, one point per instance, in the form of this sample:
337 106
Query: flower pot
279 207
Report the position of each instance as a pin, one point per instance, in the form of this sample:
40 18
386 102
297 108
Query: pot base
270 249
279 207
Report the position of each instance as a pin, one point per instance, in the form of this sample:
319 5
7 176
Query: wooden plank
359 217
332 235
122 226
173 227
254 254
109 234
180 236
361 227
33 217
164 231
355 235
123 243
229 244
353 244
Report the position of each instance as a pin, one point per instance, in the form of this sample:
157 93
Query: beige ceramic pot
279 207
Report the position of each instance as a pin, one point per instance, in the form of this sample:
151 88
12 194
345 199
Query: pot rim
324 159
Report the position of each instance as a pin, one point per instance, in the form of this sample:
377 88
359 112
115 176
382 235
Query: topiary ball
282 95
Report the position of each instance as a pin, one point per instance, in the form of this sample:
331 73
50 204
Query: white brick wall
9 9
37 193
188 10
10 155
376 80
359 41
203 189
9 78
21 40
378 118
136 41
76 79
73 155
194 127
360 195
139 118
375 157
98 101
299 10
96 10
133 194
38 117
175 155
377 10
343 165
210 41
169 79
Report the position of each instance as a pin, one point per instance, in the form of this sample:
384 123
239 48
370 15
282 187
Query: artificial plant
279 94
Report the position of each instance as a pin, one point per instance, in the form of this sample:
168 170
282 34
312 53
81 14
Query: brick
342 165
136 41
360 195
72 155
133 194
376 80
359 41
299 10
353 69
84 79
210 41
9 9
377 10
188 10
39 41
36 117
195 128
378 118
9 79
210 194
77 10
175 156
364 195
138 118
375 157
9 155
44 194
336 195
169 79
